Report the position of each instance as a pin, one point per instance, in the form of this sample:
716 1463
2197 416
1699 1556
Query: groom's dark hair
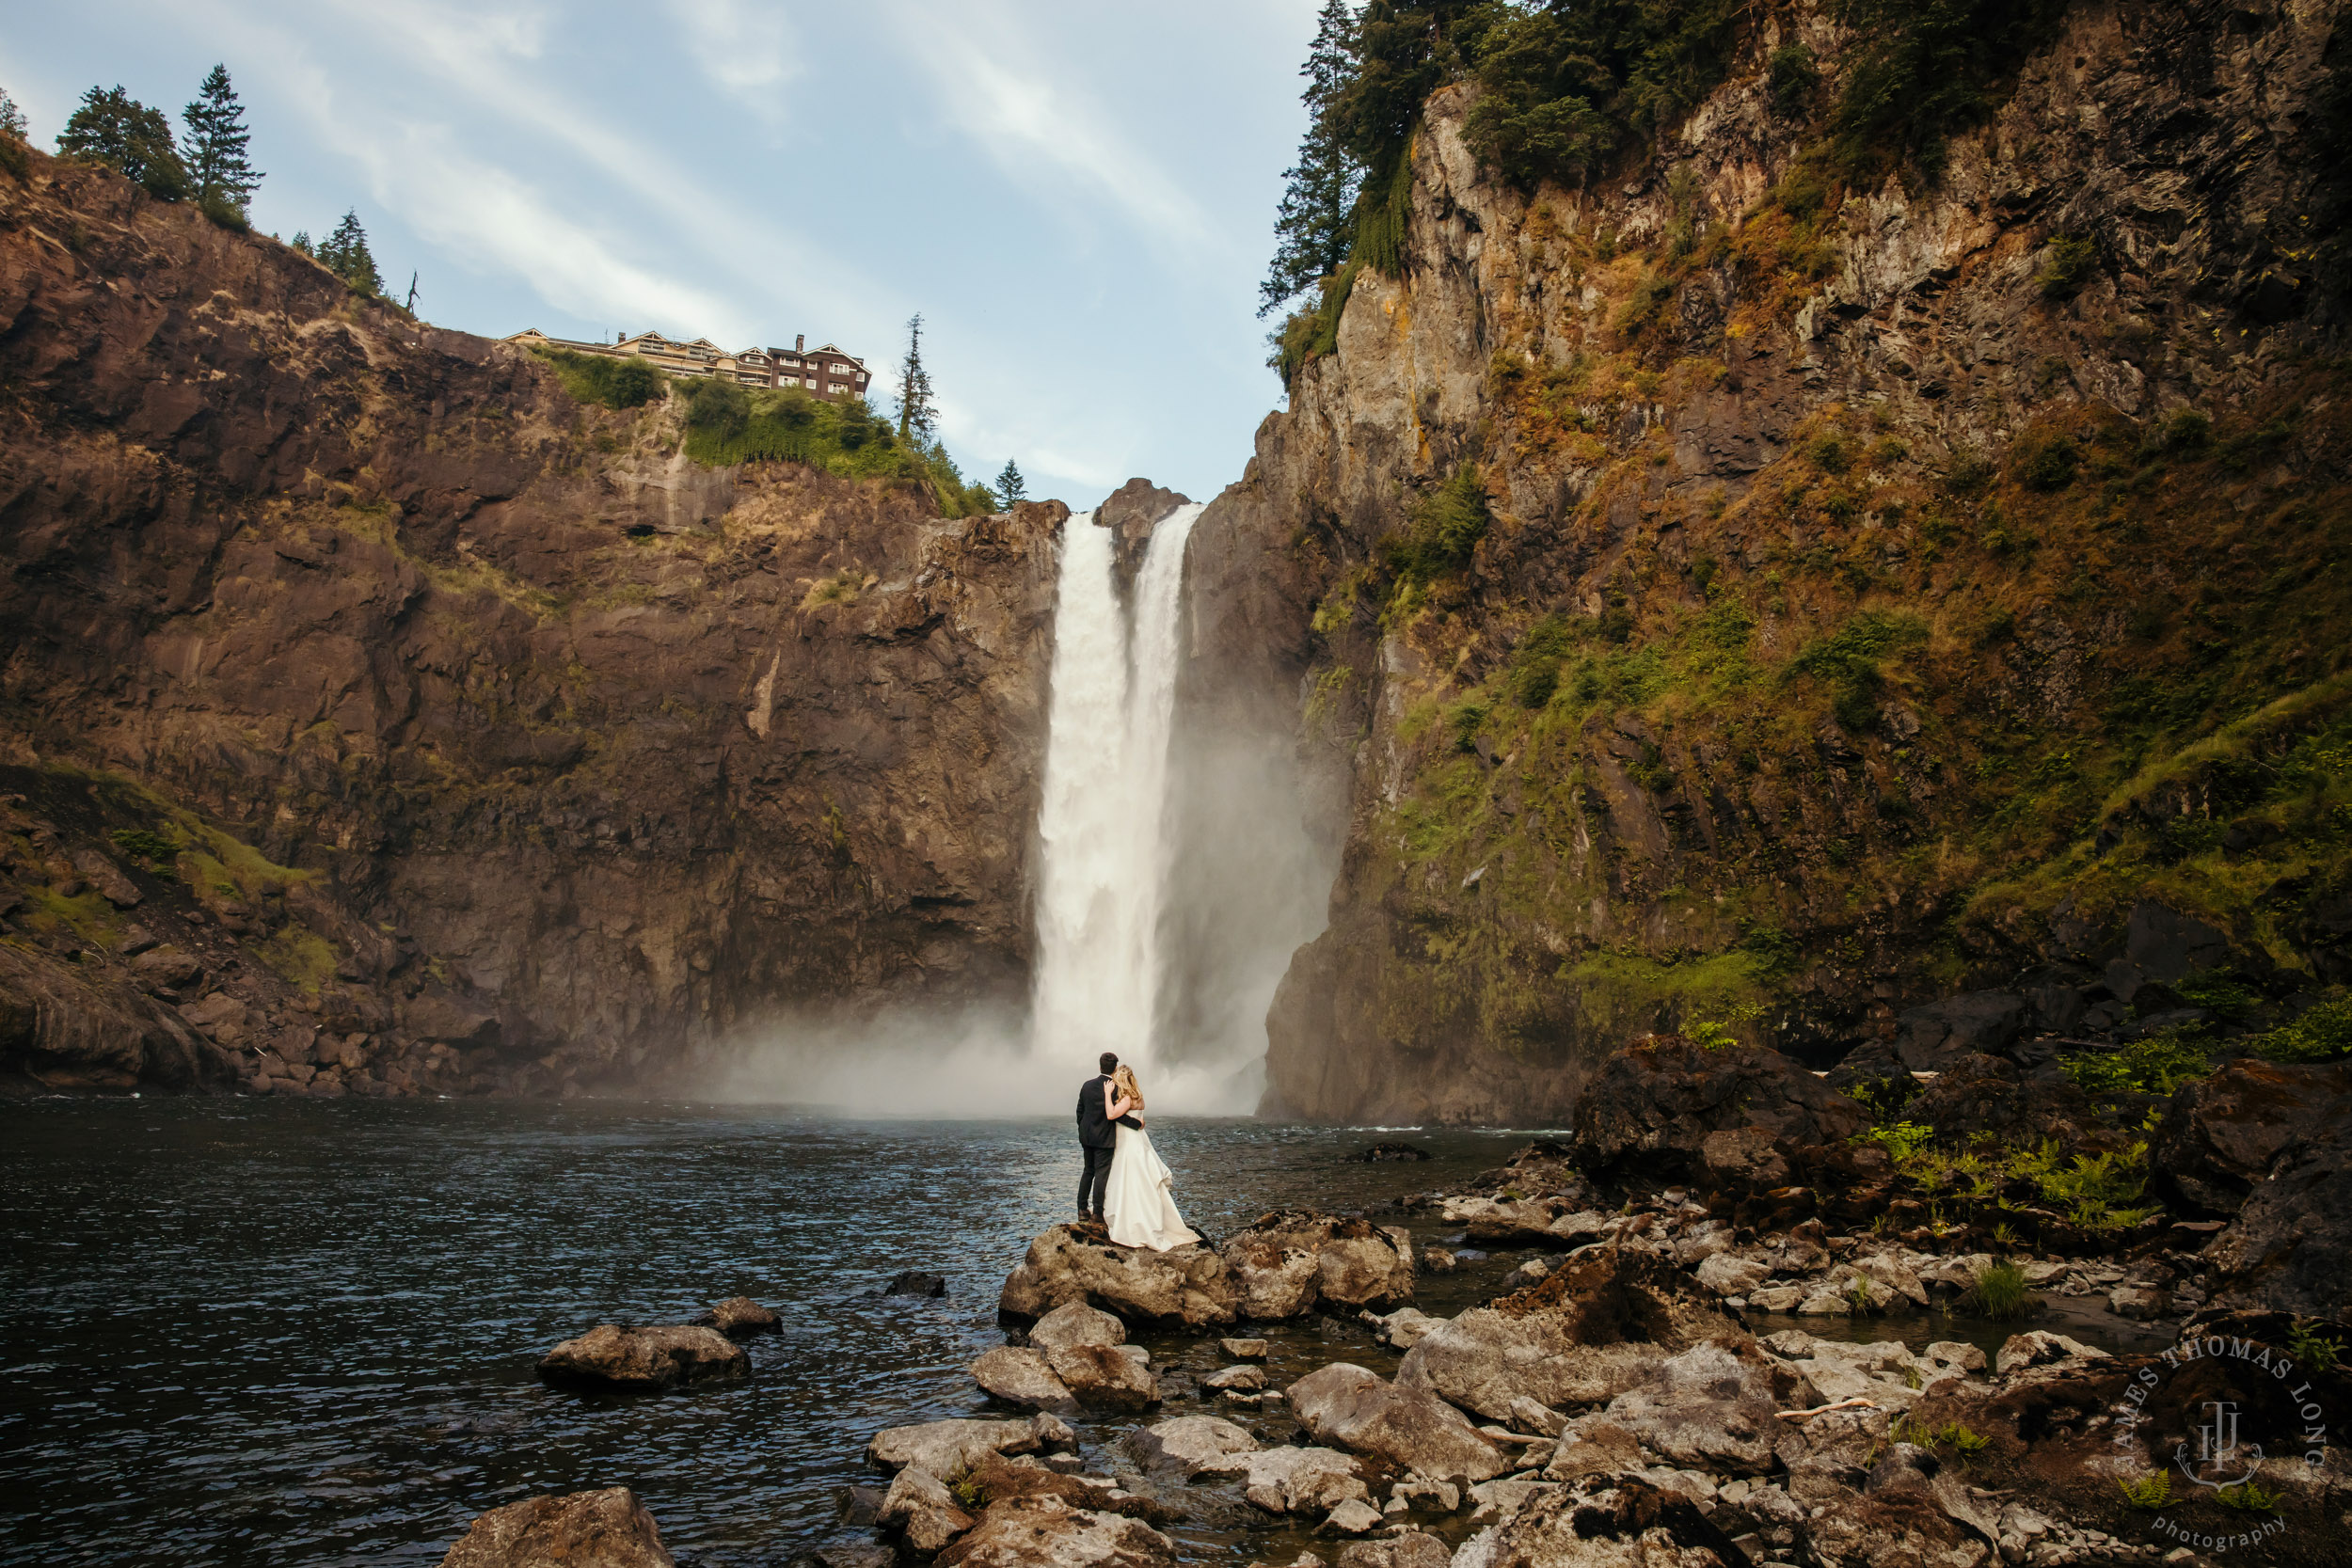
1110 1061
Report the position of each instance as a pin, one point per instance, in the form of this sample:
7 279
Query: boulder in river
951 1447
1409 1427
1075 1324
644 1360
1189 1445
1048 1532
1106 1377
1186 1286
1590 1331
924 1513
1649 1107
1393 1149
1412 1549
590 1529
1291 1261
1023 1377
739 1317
914 1282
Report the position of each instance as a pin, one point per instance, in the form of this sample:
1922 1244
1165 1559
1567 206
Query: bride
1140 1211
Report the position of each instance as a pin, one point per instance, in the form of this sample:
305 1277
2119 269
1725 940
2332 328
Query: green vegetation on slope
727 423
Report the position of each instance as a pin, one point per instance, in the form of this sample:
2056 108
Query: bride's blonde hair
1128 1088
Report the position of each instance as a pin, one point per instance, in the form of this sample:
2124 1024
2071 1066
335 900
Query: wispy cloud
1039 129
745 48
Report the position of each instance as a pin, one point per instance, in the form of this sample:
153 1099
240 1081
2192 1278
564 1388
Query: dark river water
248 1331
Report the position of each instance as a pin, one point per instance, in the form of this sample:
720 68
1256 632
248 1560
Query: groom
1100 1108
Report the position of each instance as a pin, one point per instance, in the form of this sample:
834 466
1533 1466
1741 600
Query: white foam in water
1102 823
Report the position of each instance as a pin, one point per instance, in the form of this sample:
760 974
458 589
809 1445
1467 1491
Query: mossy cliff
1743 588
466 736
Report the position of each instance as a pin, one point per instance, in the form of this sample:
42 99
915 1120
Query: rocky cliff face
1739 591
374 716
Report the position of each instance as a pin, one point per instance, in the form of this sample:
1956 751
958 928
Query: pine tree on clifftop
346 254
216 141
1011 486
1310 228
918 419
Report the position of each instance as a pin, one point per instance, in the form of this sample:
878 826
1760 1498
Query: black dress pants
1094 1182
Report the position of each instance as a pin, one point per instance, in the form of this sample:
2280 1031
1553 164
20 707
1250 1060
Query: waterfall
1104 815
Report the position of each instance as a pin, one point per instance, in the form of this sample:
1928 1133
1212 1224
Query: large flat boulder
2222 1134
949 1448
1048 1532
1106 1377
644 1360
1075 1324
580 1529
1649 1109
1186 1286
1358 1410
1590 1330
1708 1409
1190 1445
1023 1377
1290 1262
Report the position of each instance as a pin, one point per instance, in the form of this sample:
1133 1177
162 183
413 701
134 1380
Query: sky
1076 195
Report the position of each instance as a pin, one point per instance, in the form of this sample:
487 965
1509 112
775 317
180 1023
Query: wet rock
857 1505
1291 1261
2290 1248
1292 1480
1105 1377
1409 1427
1437 1260
2041 1348
924 1513
914 1282
644 1360
2222 1134
1022 1377
1189 1445
1391 1151
1626 1523
1352 1517
739 1317
1241 1380
1411 1550
1243 1350
1649 1108
1048 1532
1069 1326
951 1447
1186 1285
1588 1333
592 1529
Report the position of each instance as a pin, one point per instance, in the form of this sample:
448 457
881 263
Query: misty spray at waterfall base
1174 873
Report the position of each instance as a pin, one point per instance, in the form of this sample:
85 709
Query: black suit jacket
1094 1128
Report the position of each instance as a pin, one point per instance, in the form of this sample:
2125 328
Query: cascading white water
1103 813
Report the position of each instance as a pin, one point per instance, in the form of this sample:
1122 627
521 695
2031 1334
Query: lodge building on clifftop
826 372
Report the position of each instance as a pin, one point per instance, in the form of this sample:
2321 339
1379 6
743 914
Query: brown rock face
577 754
1651 1109
1734 700
584 1529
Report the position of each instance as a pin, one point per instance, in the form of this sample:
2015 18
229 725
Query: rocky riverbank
1722 1342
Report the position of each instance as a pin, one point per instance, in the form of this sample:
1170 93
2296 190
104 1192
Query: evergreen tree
117 130
918 419
1310 228
302 243
1011 486
346 254
218 165
11 117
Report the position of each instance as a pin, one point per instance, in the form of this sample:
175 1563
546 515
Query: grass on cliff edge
728 424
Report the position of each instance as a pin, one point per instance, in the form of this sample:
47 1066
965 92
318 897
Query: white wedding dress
1139 1209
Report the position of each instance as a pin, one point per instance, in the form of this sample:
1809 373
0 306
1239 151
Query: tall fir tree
217 135
919 418
346 254
112 128
11 117
1011 486
1310 228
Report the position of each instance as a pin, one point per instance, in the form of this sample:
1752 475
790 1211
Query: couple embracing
1125 1186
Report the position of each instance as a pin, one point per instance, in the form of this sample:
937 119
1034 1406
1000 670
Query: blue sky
1077 196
